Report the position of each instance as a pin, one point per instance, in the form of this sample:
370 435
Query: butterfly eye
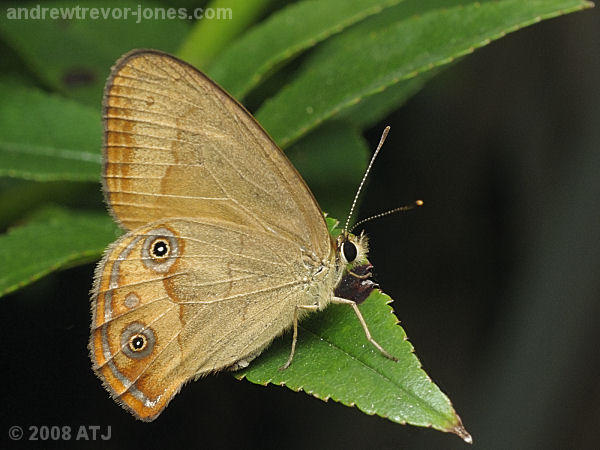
160 250
349 251
137 341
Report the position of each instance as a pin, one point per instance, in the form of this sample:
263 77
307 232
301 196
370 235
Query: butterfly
225 247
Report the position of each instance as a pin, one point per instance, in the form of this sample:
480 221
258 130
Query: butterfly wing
177 145
180 298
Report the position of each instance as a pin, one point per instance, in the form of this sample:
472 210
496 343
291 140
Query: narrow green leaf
363 61
45 137
53 240
73 56
332 160
209 36
284 35
372 109
334 360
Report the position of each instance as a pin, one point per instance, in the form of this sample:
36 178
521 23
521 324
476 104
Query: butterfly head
355 280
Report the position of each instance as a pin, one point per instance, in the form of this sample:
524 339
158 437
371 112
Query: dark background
495 280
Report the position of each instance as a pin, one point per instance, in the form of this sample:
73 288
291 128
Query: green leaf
73 56
333 226
370 57
332 161
45 137
372 109
53 240
284 35
208 37
334 360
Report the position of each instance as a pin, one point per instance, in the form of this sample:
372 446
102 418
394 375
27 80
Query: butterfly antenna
387 213
381 141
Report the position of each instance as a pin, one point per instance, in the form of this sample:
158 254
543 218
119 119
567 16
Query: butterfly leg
345 301
295 336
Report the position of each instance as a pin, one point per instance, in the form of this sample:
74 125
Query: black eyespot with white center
137 341
160 249
349 251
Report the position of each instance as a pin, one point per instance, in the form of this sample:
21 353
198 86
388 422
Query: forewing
177 145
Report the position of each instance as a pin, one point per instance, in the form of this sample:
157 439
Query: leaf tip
462 432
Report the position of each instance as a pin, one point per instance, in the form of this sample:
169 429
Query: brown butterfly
225 249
